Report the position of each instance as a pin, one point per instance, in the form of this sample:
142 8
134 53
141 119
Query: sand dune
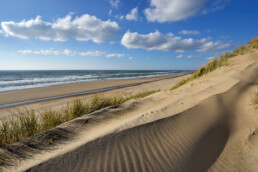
209 124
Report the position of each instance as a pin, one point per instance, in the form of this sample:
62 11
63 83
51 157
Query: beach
68 91
208 124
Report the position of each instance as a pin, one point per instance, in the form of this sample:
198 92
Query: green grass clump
77 109
28 122
51 118
216 63
25 123
180 83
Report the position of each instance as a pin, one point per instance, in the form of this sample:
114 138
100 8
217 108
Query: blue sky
117 34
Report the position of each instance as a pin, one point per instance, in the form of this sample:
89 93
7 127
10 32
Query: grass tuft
26 124
216 63
143 94
50 119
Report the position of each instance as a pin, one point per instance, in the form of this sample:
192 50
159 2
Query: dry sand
209 124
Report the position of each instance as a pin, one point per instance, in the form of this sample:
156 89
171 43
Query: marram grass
24 123
216 63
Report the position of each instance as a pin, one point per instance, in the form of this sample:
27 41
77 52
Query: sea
17 80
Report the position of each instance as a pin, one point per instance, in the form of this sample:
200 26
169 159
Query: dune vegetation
218 62
25 123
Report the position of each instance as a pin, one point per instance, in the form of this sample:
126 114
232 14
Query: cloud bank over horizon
68 52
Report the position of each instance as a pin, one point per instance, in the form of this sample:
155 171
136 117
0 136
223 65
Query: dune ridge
205 125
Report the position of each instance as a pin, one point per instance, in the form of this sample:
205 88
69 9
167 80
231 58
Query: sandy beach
63 89
143 84
209 124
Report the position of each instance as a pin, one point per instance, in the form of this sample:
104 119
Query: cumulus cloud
130 58
169 42
133 15
179 56
47 52
93 53
83 28
115 55
189 32
172 10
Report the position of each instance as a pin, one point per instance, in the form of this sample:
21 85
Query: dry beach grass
24 123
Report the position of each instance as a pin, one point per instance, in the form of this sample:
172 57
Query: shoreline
37 96
94 80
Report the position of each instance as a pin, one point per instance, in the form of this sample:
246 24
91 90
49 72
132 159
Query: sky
121 35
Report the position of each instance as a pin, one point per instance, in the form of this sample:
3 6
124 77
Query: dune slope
209 124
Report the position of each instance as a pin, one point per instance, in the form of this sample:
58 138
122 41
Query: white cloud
93 53
179 56
130 58
81 28
70 53
172 10
114 3
121 17
133 15
109 12
115 55
158 41
189 32
25 51
47 52
224 37
67 52
190 56
101 53
216 5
